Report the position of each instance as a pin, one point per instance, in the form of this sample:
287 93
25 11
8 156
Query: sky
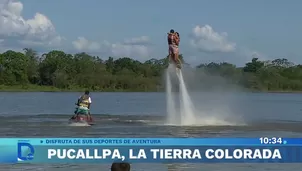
210 30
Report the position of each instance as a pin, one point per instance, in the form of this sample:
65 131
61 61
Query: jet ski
81 116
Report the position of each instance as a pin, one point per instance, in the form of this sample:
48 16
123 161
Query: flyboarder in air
173 42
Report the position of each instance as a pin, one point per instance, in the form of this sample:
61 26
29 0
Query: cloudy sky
211 30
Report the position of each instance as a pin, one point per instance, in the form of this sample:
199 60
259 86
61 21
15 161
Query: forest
60 71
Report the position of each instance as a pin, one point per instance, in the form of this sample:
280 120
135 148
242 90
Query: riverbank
36 88
28 88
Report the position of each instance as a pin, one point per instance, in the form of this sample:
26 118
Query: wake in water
78 124
187 115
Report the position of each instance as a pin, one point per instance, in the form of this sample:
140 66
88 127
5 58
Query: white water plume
187 114
187 107
171 111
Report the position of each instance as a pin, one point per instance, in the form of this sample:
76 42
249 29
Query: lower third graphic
25 151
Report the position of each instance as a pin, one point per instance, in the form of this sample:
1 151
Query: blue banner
151 150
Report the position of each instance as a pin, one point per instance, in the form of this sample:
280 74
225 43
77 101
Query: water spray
171 111
186 115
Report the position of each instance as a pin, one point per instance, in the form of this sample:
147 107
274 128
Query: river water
142 115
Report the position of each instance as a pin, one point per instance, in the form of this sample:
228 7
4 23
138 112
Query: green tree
64 71
14 68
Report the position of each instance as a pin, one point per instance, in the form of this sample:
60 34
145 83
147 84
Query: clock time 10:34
273 140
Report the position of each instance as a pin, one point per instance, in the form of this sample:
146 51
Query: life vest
84 101
177 34
172 39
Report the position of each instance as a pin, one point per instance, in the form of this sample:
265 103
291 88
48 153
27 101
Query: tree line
64 71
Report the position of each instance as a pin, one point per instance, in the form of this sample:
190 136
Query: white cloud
120 49
143 40
16 32
207 40
135 47
247 54
38 31
82 44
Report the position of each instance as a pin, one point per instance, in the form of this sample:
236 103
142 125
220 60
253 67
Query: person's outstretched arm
78 101
89 102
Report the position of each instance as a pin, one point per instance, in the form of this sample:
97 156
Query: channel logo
25 151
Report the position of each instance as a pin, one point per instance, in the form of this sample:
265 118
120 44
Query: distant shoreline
35 88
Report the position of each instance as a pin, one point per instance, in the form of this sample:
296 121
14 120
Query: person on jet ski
83 104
